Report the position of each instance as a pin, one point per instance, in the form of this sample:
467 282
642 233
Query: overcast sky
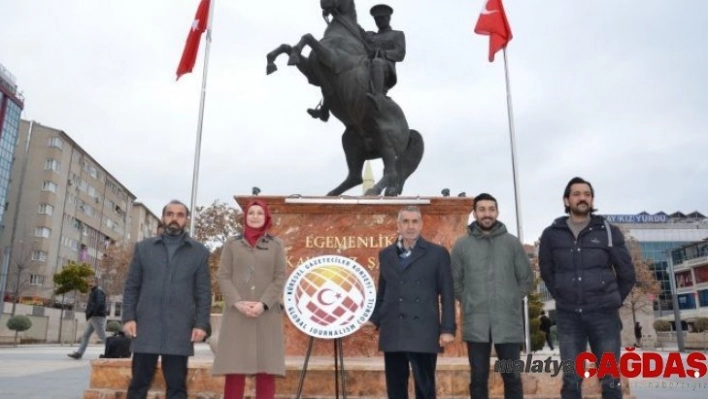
613 91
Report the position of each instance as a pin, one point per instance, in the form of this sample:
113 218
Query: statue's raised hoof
271 68
294 59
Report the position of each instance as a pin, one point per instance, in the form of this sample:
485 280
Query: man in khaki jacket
491 275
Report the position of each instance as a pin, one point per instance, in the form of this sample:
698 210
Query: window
110 204
683 279
108 222
85 208
42 232
71 243
701 274
49 186
76 223
52 164
46 209
56 142
40 256
36 279
687 301
90 169
703 297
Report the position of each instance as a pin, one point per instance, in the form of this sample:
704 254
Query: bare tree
114 267
640 299
20 261
216 223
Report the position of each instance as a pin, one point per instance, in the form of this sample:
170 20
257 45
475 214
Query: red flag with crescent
492 22
191 47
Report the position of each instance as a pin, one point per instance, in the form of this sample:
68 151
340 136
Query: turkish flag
191 47
493 23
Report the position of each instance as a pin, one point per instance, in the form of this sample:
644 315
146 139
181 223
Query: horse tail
410 159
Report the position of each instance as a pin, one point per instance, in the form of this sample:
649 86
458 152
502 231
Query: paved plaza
45 372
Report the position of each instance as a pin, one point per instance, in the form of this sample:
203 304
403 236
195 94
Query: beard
485 228
577 211
174 229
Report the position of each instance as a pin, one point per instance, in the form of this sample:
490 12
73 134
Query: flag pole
198 145
517 194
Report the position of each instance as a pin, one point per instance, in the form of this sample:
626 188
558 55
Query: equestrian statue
355 70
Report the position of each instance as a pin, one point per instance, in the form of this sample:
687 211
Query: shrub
701 324
114 326
662 326
19 323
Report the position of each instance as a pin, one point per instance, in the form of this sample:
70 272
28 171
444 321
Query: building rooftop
660 217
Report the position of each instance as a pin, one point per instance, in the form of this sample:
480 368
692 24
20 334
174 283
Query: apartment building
143 222
70 208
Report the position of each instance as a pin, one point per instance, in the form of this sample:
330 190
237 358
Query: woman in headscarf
251 277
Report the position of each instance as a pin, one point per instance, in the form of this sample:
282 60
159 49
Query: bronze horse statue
339 65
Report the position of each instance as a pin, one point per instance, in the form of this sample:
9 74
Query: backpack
117 346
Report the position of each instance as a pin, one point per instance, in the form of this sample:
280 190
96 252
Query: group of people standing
583 261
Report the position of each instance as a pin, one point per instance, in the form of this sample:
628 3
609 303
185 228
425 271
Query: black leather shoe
315 113
319 113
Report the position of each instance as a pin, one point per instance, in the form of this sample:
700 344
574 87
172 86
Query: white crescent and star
195 24
486 11
321 299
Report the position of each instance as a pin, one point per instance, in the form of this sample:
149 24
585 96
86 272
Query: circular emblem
329 296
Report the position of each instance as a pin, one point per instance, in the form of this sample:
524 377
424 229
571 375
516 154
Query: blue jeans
575 330
97 324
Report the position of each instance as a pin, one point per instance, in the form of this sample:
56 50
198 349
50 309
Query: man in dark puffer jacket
96 312
589 272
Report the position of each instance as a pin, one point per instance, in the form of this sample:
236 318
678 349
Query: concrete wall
45 324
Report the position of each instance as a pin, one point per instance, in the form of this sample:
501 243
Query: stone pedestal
358 228
364 379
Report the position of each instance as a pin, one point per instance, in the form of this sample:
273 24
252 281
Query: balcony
699 261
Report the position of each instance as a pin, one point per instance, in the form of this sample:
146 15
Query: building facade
70 208
143 222
11 105
690 264
657 235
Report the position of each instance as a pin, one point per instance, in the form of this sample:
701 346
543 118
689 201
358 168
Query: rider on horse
389 47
